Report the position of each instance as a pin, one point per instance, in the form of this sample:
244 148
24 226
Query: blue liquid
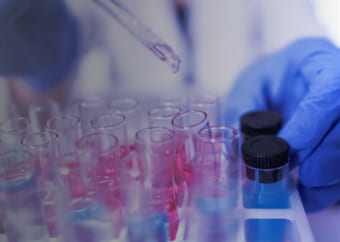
217 220
270 230
268 191
151 229
258 195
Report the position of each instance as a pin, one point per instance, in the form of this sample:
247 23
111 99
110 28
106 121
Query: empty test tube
40 112
130 108
20 198
161 116
13 130
208 104
88 110
142 33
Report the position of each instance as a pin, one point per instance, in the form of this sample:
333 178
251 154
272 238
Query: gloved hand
38 41
302 83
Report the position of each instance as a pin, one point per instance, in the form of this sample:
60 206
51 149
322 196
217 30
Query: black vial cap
260 123
265 152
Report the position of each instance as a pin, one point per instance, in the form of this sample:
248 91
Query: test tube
104 147
20 198
219 139
265 171
83 216
115 124
186 125
156 145
208 104
43 144
129 107
40 112
161 116
68 129
88 110
145 216
13 130
260 123
213 216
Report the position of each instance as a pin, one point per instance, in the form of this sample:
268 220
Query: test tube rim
27 138
57 130
26 121
123 99
235 135
143 141
111 148
91 102
104 127
177 127
160 107
213 100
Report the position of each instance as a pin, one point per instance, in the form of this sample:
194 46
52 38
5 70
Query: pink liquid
164 201
114 204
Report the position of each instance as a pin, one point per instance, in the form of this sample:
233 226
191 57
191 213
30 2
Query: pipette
141 32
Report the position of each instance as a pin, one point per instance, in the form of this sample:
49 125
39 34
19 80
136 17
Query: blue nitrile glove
302 83
38 41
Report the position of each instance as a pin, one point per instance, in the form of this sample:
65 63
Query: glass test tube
213 215
41 111
20 198
265 172
115 124
178 101
13 130
82 213
129 107
88 110
156 145
186 125
208 104
68 129
145 216
106 178
161 116
43 145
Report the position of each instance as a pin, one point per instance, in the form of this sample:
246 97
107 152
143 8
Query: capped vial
265 171
260 123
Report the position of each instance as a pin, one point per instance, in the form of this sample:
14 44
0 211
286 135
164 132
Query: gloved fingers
322 166
319 108
317 198
250 92
10 10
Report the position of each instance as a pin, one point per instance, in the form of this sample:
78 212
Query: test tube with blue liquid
145 218
213 215
81 210
20 198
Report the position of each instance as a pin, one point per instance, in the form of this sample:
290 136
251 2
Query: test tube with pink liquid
186 125
83 214
104 146
156 148
44 146
116 124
